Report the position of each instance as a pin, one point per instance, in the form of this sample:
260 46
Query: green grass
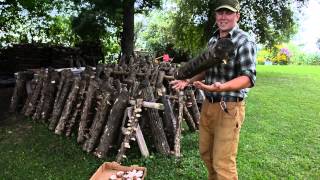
280 138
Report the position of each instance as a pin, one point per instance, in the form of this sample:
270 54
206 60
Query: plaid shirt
242 63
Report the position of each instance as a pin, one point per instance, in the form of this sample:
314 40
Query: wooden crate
109 168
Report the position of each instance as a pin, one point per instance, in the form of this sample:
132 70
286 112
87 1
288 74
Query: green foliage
30 21
271 21
60 32
300 57
156 35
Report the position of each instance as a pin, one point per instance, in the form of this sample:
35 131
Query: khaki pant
219 137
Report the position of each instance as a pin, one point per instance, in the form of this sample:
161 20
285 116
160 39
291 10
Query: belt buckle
223 105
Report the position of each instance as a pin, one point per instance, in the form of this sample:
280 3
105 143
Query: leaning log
85 118
113 124
130 131
31 107
169 120
79 104
160 140
61 99
20 91
68 107
177 151
50 95
188 118
103 106
45 84
194 107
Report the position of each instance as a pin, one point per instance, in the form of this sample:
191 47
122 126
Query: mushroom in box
115 171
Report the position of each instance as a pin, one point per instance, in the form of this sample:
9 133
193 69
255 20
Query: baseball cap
232 5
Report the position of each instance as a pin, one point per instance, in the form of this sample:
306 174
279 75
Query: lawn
279 140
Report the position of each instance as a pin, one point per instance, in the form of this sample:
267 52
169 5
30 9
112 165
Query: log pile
21 57
111 106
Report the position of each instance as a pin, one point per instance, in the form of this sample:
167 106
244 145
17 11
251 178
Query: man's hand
216 87
179 84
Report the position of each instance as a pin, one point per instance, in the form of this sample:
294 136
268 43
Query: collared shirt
242 63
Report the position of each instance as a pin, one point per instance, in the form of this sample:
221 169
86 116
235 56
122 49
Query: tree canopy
187 26
193 22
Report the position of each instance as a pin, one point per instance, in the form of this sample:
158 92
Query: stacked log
21 57
111 106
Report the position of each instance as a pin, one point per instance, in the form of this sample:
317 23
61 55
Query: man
225 87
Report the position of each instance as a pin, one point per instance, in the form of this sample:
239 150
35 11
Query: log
45 84
84 83
61 99
194 107
68 107
217 54
113 124
130 131
177 151
160 139
36 94
152 105
99 121
85 118
20 91
142 143
50 96
169 120
188 118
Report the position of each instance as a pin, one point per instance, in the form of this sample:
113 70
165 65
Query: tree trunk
128 29
209 29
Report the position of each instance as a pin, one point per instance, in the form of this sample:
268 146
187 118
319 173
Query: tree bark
87 109
160 139
50 96
127 39
68 107
177 151
99 121
194 107
61 99
79 104
36 94
130 131
113 124
20 91
188 118
45 84
169 120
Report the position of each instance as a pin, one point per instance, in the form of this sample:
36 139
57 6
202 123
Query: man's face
226 19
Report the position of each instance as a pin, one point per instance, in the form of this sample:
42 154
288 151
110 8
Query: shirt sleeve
247 58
